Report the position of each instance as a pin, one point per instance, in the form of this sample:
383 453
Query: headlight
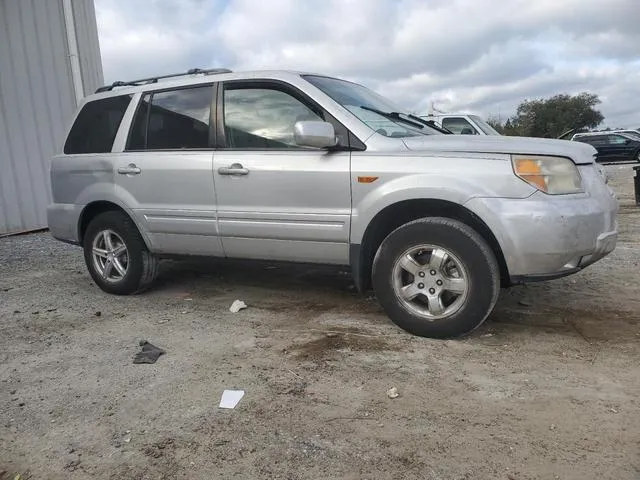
552 175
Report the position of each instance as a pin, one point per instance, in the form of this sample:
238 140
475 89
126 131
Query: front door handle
131 169
235 169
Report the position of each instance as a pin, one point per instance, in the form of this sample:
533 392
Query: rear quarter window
96 126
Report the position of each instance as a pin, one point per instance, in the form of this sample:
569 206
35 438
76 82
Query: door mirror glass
310 133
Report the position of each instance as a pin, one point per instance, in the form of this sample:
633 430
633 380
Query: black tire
142 266
473 252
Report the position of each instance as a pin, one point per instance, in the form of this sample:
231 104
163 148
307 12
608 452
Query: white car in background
462 124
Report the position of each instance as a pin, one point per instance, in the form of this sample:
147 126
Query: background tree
495 122
554 116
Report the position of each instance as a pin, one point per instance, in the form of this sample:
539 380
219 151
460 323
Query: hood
579 152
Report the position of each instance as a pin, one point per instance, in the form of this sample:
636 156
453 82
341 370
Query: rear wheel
116 256
436 277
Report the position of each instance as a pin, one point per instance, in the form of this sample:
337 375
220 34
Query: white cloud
484 56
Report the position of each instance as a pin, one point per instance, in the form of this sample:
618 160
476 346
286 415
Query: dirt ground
548 388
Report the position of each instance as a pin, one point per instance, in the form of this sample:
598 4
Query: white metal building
49 59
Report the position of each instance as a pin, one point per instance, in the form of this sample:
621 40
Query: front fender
454 189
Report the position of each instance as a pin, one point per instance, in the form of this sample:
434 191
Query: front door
164 173
277 200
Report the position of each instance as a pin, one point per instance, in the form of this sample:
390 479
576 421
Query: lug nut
432 291
421 285
439 283
421 274
432 272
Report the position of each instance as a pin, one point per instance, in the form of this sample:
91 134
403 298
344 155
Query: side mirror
314 134
467 131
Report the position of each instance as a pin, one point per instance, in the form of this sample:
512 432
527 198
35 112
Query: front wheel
116 256
436 277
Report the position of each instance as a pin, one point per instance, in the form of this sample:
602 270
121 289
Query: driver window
459 126
262 118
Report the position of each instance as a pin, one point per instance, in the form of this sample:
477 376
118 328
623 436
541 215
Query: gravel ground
548 388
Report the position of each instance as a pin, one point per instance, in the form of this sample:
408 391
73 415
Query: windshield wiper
394 116
412 120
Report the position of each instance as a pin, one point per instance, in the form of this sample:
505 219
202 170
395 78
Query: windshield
484 126
361 101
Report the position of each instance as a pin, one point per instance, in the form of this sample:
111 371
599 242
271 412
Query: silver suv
307 168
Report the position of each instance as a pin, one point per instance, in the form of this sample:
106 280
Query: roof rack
144 81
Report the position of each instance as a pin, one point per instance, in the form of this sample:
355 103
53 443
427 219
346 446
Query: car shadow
556 307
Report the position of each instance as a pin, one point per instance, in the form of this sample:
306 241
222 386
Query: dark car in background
613 146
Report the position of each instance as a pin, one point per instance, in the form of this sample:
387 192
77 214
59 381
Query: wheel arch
402 212
95 208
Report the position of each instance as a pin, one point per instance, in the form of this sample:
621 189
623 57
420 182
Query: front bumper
544 236
605 244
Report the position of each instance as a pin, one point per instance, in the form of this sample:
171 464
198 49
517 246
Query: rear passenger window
170 120
138 134
96 126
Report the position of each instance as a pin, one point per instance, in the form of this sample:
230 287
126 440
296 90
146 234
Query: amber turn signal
367 179
531 172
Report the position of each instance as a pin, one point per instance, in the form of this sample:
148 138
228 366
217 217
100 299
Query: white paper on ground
237 306
230 398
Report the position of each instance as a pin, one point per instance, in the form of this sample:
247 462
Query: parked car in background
633 133
462 124
284 166
613 146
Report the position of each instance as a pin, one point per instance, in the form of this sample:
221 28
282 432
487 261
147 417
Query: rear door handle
235 169
131 169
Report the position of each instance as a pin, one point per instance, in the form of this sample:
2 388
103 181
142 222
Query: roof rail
144 81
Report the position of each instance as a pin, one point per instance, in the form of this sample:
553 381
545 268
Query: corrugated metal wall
37 100
88 48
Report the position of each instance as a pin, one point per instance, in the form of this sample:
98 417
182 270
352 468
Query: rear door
164 172
277 200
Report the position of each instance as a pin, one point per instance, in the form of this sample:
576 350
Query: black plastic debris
149 354
636 184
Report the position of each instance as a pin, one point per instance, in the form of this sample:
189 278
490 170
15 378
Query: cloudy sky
480 56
